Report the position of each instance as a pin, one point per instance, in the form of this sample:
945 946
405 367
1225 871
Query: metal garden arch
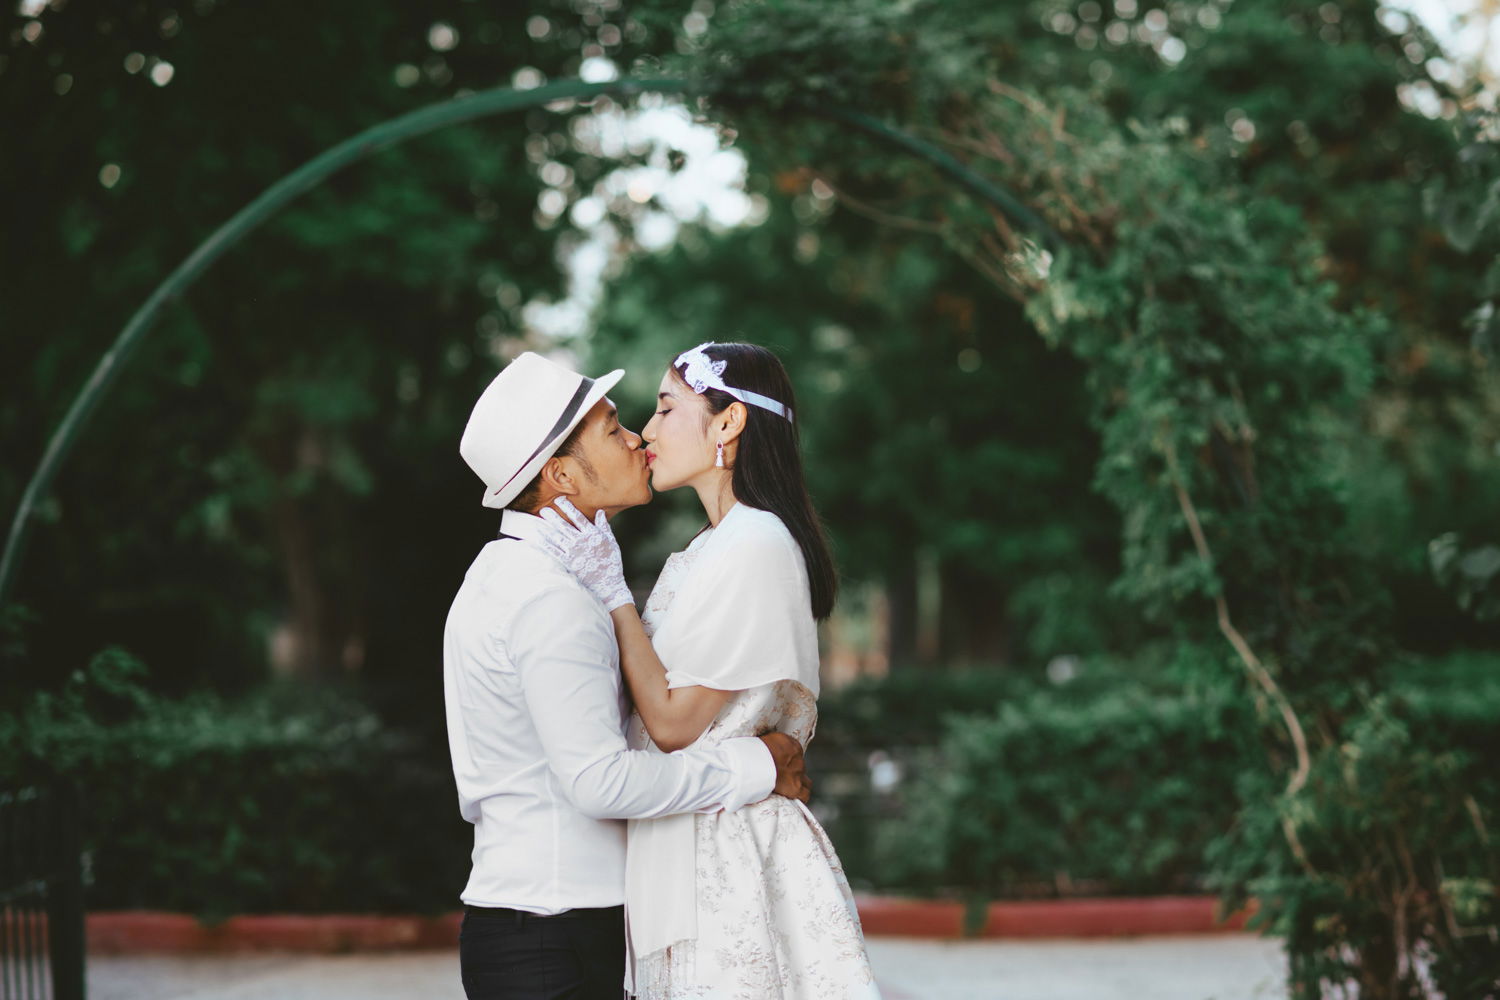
372 140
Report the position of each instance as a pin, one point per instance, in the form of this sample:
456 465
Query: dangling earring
719 457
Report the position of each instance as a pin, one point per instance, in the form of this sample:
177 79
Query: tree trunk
901 593
311 648
317 564
974 626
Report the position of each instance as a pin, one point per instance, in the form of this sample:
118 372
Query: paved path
1228 967
1232 967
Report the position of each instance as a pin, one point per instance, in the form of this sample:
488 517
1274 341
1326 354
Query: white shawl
741 618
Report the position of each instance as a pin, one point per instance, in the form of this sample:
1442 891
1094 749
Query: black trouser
512 955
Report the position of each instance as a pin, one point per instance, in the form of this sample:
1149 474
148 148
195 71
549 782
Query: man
536 711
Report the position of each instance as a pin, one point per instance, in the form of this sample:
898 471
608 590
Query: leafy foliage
294 800
1118 793
301 800
1120 788
1226 359
274 440
1262 338
1473 576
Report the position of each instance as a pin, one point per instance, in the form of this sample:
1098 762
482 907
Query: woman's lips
650 457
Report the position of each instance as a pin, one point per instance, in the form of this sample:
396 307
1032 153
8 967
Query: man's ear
557 478
731 423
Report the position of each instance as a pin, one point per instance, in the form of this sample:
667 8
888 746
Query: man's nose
635 440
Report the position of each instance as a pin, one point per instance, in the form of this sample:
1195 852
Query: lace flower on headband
702 372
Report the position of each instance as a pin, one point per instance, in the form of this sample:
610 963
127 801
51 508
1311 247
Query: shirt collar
527 527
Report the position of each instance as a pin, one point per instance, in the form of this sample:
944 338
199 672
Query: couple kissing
635 779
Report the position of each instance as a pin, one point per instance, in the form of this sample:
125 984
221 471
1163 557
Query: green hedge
1128 780
298 799
289 801
1119 795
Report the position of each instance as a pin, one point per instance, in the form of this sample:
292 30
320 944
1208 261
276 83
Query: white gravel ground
1220 967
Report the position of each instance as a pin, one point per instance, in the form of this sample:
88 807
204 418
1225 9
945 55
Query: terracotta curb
1060 918
134 932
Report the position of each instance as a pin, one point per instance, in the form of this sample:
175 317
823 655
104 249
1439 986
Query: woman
752 904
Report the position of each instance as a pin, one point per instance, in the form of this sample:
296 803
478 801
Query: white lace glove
589 550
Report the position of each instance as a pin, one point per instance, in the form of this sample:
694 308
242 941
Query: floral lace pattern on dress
776 917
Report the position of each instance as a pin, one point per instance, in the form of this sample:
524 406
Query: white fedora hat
522 418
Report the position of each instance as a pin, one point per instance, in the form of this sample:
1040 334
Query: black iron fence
41 894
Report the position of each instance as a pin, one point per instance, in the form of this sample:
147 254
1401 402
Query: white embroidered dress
750 905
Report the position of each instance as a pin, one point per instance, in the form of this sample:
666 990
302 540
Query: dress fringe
666 974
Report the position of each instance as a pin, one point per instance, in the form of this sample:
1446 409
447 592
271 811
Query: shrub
1120 794
300 799
292 800
1418 775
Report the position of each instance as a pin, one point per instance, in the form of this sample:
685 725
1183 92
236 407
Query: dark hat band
569 412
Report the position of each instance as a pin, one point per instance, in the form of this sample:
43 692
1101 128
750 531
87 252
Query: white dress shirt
536 726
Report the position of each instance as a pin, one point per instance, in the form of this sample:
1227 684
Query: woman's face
678 446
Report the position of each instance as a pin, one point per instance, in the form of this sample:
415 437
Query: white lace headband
705 373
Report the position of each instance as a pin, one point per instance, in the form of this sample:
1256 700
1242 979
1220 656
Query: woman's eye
662 413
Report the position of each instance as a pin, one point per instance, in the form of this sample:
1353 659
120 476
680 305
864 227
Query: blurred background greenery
227 625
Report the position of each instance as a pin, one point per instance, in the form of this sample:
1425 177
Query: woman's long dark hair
767 471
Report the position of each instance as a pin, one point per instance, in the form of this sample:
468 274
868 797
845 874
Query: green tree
272 460
1231 329
1247 316
939 427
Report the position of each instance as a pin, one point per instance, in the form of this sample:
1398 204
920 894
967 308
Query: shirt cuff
753 770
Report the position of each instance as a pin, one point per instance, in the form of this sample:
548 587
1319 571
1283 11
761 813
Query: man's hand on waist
791 770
